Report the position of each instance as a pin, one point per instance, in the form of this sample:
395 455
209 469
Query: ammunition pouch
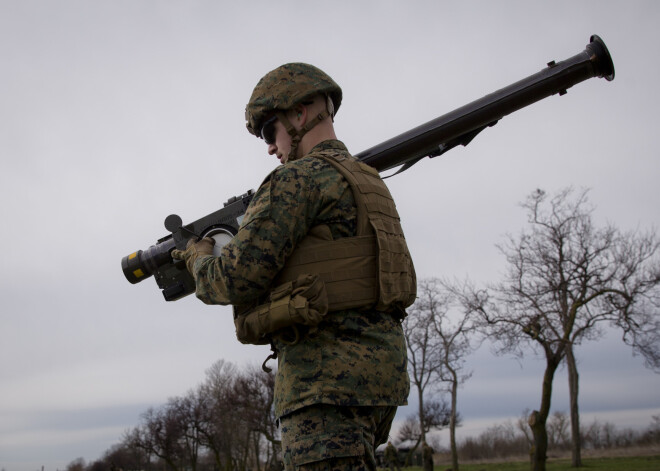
301 301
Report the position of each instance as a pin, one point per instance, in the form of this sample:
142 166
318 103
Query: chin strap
297 135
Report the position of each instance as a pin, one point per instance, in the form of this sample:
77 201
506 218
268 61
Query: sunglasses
268 130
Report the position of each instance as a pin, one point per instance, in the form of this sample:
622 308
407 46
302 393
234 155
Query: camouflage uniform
322 437
352 359
340 377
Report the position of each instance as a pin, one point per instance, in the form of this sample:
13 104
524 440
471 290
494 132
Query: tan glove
194 249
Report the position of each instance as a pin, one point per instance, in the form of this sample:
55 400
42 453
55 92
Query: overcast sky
114 114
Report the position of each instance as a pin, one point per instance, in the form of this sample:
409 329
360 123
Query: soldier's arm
278 217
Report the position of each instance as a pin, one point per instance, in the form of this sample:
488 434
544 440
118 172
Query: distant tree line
226 423
514 440
501 441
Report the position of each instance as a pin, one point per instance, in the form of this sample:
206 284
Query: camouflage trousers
324 437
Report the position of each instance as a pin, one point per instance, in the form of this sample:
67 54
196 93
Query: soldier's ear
301 113
298 116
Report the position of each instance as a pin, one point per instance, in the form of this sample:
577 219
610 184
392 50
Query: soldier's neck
319 133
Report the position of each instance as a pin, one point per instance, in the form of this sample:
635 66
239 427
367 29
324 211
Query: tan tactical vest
371 270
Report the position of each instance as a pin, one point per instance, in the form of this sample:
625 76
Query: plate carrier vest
371 270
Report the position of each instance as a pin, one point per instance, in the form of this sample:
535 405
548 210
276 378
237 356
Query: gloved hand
194 249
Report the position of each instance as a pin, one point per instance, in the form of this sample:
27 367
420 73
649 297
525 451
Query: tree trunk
537 419
420 397
255 441
573 387
452 423
538 453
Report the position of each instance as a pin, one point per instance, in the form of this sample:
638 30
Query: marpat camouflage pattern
352 358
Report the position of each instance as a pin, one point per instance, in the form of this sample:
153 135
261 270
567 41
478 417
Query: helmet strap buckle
297 135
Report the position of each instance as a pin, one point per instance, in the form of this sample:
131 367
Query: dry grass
444 459
625 459
650 450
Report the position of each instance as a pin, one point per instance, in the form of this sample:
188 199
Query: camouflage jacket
351 357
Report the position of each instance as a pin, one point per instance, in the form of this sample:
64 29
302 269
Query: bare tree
436 416
239 426
440 334
160 435
226 423
558 436
223 427
424 356
256 405
565 279
76 465
456 331
123 456
189 411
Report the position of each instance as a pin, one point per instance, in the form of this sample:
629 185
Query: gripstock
431 139
171 275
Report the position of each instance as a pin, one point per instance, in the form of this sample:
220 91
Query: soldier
320 270
392 457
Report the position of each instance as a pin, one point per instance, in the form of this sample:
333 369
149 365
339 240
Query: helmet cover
283 88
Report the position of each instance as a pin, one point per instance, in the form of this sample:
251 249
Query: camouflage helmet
285 87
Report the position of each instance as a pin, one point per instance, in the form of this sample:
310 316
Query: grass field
628 463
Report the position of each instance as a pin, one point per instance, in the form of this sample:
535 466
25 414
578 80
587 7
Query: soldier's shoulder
299 177
310 166
313 165
293 171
